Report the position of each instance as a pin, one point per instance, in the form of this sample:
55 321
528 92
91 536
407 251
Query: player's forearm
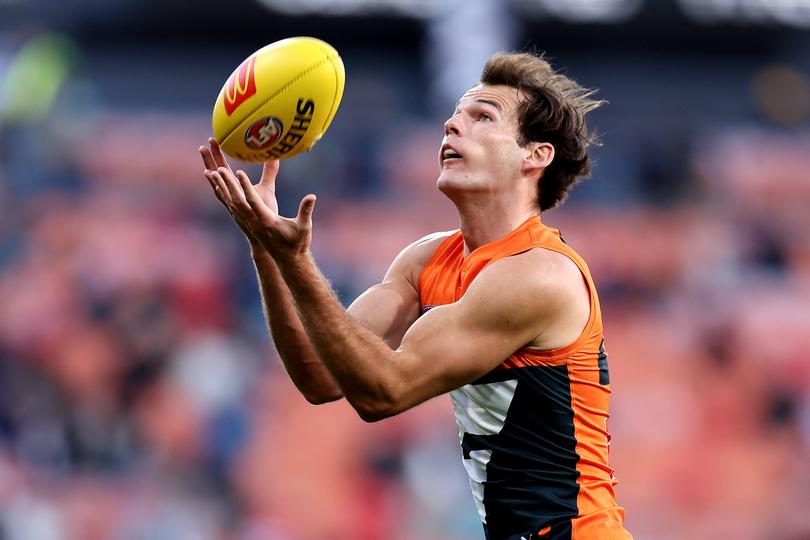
297 354
357 359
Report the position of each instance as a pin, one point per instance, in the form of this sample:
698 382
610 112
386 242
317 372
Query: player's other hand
255 208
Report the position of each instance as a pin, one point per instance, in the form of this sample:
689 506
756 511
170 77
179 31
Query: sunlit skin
385 353
494 182
381 352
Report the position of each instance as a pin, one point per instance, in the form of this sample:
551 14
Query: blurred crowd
141 398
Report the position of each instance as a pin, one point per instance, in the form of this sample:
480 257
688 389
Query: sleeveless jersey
534 430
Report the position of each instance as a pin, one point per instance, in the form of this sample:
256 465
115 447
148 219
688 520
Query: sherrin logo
240 86
263 133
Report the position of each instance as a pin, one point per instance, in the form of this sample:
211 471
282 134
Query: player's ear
538 156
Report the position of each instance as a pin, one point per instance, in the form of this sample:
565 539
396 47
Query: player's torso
533 431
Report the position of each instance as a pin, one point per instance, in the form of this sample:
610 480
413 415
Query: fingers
219 186
212 157
231 185
209 176
305 210
253 199
216 151
269 173
208 158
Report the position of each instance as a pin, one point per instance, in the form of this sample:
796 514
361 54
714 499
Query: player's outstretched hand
255 208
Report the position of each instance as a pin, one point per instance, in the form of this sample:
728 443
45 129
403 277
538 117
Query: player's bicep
453 345
390 308
387 309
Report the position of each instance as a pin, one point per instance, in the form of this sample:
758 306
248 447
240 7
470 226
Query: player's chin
449 183
444 180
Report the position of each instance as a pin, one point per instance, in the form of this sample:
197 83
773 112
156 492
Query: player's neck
481 226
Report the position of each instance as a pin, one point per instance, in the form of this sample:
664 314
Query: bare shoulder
411 260
540 267
422 249
540 287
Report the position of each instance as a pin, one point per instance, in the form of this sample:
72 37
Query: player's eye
484 117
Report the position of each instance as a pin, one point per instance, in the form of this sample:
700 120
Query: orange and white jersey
533 431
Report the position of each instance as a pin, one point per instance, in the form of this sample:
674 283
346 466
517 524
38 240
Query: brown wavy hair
552 109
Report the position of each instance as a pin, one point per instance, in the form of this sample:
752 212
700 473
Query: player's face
479 151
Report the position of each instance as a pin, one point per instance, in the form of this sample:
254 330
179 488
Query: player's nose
452 125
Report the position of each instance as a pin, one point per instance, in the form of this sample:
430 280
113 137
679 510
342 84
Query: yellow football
280 100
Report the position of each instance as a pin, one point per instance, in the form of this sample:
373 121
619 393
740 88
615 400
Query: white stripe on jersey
477 470
481 409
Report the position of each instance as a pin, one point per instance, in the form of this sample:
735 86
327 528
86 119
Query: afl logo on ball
264 132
